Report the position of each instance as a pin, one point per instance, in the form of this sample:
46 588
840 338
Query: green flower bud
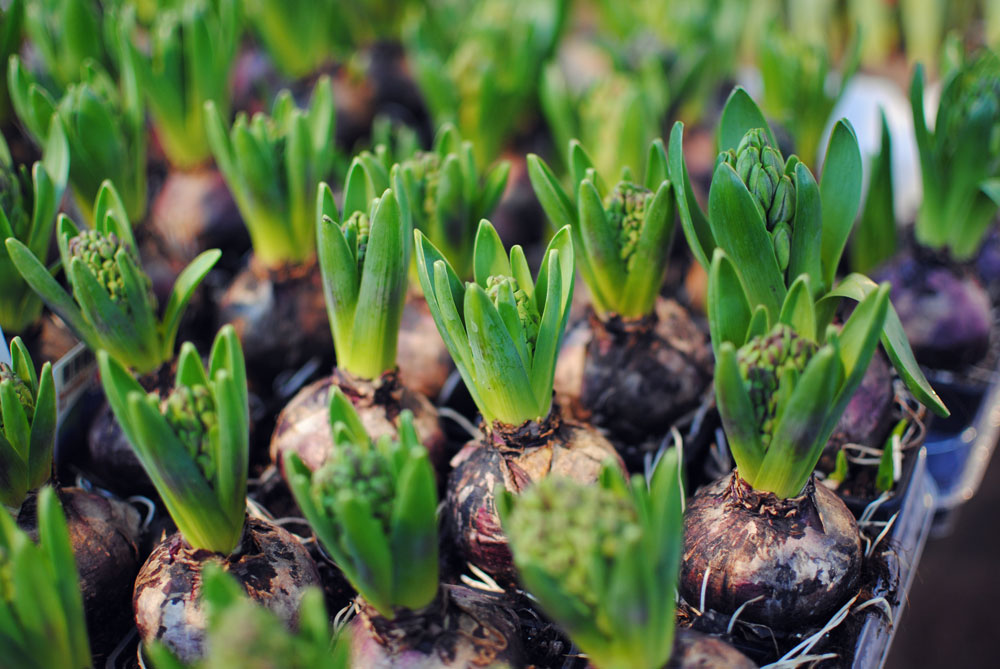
190 411
357 228
22 391
527 313
98 251
626 208
567 529
426 168
359 471
978 97
763 361
762 169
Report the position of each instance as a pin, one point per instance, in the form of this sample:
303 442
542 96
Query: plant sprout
112 306
960 157
505 339
797 90
364 254
27 425
448 196
194 443
771 246
28 206
191 52
104 125
273 166
621 235
782 382
602 560
373 507
616 116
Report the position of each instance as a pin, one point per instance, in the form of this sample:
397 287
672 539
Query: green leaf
43 430
342 412
187 281
233 446
727 307
190 371
807 231
364 541
740 115
799 434
657 170
382 291
490 257
874 239
600 245
555 202
840 192
13 476
693 221
651 254
54 538
736 410
414 538
857 287
740 231
799 311
16 428
500 376
58 300
190 501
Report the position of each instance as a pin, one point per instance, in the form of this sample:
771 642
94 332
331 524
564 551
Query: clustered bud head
426 171
356 230
190 411
762 169
763 361
626 208
360 471
97 251
527 312
21 389
563 527
978 97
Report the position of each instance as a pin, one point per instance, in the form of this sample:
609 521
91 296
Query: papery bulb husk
423 359
110 458
194 211
462 627
303 426
802 554
104 533
272 566
694 650
945 311
636 377
280 318
514 457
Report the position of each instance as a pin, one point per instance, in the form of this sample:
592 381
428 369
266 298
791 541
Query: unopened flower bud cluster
527 313
568 530
21 390
191 413
762 169
626 207
763 361
361 472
